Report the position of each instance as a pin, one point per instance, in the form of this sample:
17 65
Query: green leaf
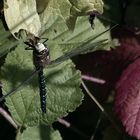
6 42
63 92
22 15
58 33
40 132
41 5
63 81
69 10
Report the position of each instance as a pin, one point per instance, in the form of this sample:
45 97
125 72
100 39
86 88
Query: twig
100 107
92 97
64 122
95 130
93 79
8 118
73 128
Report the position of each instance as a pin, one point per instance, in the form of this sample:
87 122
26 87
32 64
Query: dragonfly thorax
40 55
40 47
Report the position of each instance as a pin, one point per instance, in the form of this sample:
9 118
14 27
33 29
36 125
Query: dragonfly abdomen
40 59
42 88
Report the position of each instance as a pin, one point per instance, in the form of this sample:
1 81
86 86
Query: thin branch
64 122
96 128
92 97
73 128
8 118
100 107
93 79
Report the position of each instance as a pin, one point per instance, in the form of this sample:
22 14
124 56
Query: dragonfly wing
77 51
21 85
85 47
62 83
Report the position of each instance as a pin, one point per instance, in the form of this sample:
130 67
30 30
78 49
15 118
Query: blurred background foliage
108 66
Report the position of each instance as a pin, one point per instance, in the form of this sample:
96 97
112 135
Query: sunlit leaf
63 92
22 15
39 132
69 10
58 33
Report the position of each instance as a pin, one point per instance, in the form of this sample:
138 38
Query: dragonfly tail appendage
42 88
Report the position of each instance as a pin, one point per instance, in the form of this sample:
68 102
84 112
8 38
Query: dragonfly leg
45 40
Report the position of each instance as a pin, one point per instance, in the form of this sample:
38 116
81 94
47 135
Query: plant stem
92 97
96 128
73 128
100 107
93 79
8 118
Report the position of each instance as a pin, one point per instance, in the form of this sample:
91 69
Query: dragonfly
41 59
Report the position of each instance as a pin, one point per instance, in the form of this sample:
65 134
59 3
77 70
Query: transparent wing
66 56
19 86
6 46
77 51
81 49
